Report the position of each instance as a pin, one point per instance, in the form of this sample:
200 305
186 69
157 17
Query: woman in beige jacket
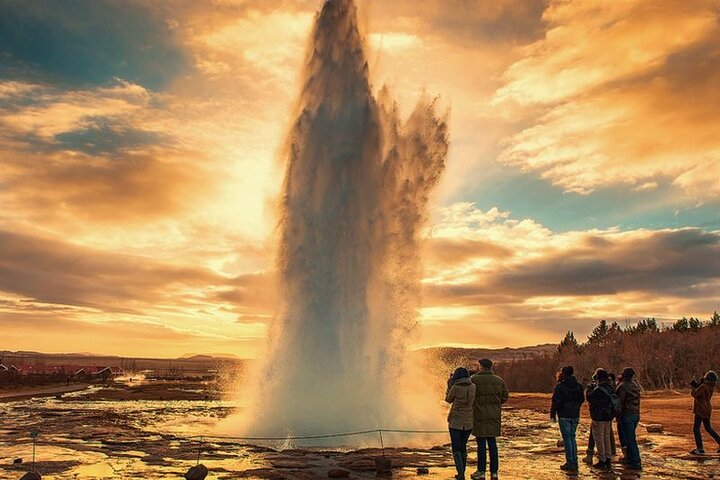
461 395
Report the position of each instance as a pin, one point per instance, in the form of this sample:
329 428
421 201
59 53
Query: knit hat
460 373
568 371
711 376
486 363
628 373
601 375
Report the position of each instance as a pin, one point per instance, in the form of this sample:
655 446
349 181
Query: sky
140 161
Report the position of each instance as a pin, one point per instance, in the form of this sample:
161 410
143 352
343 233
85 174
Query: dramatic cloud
139 165
54 272
627 102
559 281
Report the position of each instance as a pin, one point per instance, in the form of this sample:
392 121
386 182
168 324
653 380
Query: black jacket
567 399
600 398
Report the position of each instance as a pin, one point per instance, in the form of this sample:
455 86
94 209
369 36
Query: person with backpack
628 392
603 406
702 392
461 395
566 401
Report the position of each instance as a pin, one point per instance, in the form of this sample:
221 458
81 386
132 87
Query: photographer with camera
702 392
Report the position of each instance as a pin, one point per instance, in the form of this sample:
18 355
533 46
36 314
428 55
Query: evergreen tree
568 344
599 334
695 324
644 325
714 320
682 325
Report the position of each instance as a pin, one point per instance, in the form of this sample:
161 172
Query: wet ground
81 437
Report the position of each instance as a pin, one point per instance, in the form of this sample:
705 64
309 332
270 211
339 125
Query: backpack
612 408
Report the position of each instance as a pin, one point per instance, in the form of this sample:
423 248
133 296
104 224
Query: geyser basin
353 205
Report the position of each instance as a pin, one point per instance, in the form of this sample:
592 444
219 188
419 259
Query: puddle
81 439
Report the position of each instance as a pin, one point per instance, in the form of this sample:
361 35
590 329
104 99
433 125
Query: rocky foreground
91 434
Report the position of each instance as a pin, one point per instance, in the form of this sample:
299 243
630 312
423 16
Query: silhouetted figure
566 402
702 392
629 392
461 395
602 399
490 394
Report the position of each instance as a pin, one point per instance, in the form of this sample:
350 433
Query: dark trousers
459 439
491 443
705 422
629 422
621 432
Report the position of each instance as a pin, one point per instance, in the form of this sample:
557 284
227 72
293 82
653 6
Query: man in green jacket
490 394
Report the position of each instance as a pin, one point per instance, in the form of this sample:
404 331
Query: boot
602 464
588 458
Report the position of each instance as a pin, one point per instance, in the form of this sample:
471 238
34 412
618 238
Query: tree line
664 356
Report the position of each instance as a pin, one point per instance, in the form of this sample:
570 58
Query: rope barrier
203 438
319 436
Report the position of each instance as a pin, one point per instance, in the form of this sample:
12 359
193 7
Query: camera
694 383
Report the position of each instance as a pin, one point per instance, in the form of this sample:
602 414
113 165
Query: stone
31 476
338 473
383 465
654 428
17 460
423 470
198 472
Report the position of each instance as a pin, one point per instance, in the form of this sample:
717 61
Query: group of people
476 399
609 400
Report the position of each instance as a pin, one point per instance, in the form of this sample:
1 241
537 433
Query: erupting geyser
352 209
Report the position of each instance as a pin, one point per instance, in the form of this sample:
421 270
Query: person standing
461 395
702 392
566 402
618 423
600 398
629 392
490 394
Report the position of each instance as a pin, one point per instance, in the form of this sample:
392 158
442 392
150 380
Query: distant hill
207 357
195 363
459 355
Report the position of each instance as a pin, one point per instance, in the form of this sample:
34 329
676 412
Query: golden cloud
626 101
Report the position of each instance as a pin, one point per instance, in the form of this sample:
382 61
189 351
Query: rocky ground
150 431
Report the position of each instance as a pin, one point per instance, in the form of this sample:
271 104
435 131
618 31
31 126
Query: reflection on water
82 439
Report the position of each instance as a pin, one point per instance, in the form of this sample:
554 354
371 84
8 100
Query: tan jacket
461 395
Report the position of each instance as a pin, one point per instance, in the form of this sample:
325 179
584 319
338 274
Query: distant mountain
207 357
455 354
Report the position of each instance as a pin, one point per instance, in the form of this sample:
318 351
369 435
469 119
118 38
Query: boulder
383 465
338 473
654 428
198 472
31 476
423 470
